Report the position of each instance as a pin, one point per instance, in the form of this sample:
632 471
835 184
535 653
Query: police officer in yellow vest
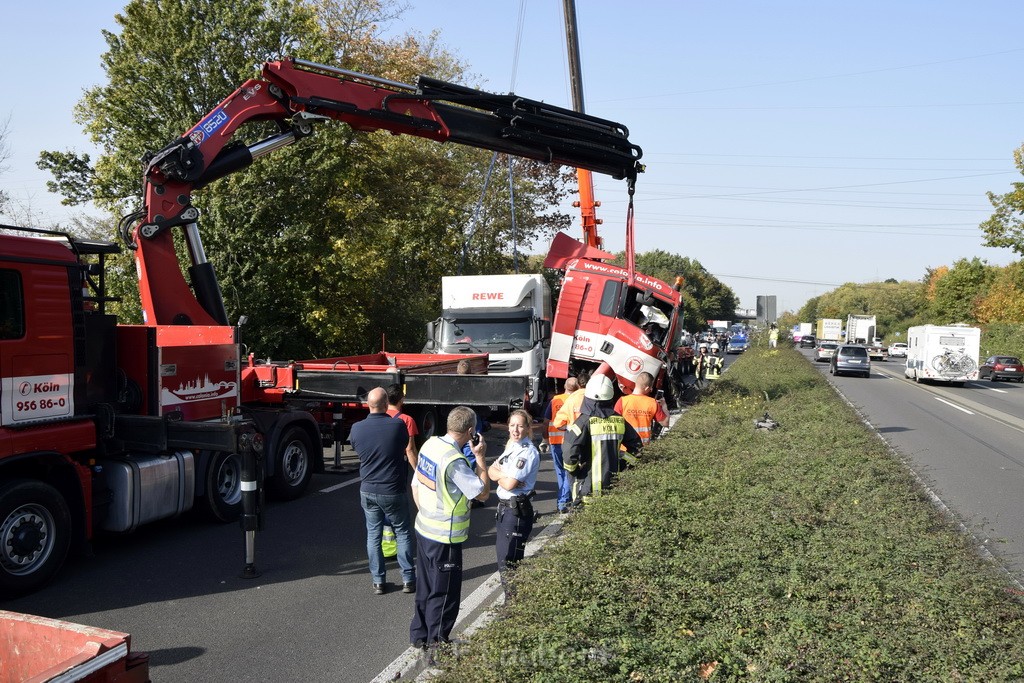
443 486
591 451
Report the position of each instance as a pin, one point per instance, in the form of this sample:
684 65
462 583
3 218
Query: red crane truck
107 426
607 313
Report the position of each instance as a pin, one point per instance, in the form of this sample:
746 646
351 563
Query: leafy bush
802 553
1002 338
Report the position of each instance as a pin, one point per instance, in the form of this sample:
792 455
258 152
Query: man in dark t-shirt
380 442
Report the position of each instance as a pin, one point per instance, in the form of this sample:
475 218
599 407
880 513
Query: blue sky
790 146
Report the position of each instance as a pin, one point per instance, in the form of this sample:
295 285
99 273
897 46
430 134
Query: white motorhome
943 353
507 317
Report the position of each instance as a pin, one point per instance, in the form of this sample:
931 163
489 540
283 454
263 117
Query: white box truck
507 317
860 329
943 353
829 329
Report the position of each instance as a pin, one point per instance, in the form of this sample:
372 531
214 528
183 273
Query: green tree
1005 227
960 290
1004 301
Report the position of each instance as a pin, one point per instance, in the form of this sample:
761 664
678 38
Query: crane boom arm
295 95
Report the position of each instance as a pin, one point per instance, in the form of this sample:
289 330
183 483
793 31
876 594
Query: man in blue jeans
380 442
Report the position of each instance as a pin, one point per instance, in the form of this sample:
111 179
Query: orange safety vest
570 410
639 411
556 435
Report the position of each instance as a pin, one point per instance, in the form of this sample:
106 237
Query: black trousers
511 534
438 590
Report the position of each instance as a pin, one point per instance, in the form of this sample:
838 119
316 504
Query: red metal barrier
36 649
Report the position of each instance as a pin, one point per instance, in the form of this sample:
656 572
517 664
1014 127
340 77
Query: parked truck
108 426
829 329
507 317
943 353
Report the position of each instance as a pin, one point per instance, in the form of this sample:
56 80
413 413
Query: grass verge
803 553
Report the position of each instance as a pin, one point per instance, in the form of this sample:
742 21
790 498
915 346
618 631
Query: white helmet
601 386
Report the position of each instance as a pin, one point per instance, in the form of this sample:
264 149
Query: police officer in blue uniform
515 473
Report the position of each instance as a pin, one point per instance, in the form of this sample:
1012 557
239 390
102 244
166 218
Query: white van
943 353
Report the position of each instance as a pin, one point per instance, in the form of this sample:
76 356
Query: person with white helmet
591 450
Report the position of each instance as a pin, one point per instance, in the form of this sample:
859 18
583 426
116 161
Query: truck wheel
224 487
35 534
293 465
427 423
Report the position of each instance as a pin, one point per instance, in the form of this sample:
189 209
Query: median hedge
803 553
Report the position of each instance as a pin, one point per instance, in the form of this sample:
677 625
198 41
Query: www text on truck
607 313
108 426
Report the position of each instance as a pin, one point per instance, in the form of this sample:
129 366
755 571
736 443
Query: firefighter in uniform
642 410
444 485
555 436
592 443
701 364
515 473
714 367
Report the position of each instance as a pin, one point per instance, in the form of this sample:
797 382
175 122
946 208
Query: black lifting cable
474 222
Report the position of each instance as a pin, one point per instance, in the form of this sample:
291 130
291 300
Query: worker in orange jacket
642 410
570 410
555 437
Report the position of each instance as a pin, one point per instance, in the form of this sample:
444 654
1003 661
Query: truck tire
293 465
224 487
427 423
35 534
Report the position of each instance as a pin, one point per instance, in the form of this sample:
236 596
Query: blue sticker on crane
208 126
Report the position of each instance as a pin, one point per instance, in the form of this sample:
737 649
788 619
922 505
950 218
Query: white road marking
341 485
953 405
411 659
991 388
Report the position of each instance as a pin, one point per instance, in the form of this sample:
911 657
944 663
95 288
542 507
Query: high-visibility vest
389 542
570 410
556 435
640 411
606 434
444 508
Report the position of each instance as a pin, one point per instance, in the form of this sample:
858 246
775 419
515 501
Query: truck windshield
488 333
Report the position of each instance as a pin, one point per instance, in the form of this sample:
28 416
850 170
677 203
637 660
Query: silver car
825 350
851 358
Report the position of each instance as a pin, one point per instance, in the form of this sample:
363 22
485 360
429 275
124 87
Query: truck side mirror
431 343
545 330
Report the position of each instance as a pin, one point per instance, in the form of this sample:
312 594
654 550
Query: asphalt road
310 616
962 442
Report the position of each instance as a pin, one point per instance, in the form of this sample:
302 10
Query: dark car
851 358
808 341
1002 367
